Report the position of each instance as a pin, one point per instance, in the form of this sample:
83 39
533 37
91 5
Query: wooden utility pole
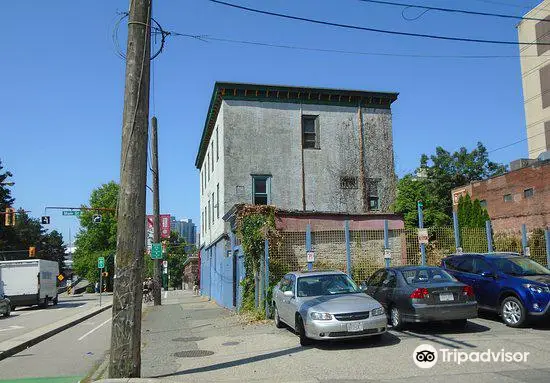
156 211
125 359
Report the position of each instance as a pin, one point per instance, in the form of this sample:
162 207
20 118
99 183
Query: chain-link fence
366 248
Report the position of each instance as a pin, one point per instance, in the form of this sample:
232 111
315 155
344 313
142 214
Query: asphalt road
74 352
25 319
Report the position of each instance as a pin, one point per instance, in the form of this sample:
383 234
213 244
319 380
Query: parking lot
207 343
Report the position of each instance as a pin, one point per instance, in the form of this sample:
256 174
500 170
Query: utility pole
156 212
125 357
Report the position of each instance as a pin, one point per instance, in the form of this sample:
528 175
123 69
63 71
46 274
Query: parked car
421 294
326 306
514 286
5 305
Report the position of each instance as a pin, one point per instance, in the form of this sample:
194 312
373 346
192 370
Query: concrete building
521 196
298 148
185 228
535 74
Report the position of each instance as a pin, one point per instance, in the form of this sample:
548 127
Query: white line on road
92 330
12 328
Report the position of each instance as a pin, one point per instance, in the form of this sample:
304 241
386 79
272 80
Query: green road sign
156 251
72 212
100 262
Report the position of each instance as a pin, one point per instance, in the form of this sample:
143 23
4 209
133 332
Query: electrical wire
510 5
453 10
515 143
384 31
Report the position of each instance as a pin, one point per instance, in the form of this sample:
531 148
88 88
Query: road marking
12 328
92 330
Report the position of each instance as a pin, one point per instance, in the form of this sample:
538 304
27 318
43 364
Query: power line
453 10
515 143
384 31
206 38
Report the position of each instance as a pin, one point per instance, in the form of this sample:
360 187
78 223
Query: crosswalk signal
9 217
32 251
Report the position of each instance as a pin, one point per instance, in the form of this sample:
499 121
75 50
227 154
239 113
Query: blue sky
62 85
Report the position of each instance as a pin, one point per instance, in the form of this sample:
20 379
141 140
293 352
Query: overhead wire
377 30
515 142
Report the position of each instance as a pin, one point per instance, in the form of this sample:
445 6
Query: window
213 201
217 145
212 151
208 166
374 201
390 281
544 75
483 203
218 199
377 278
466 265
202 187
481 265
528 193
348 183
310 132
508 198
287 283
542 30
261 190
208 215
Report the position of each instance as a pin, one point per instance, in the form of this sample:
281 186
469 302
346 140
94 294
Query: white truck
29 282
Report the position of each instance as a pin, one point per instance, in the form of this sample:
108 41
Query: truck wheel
44 304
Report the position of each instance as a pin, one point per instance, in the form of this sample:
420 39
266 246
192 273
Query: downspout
362 177
303 165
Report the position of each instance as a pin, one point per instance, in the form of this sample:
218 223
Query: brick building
521 196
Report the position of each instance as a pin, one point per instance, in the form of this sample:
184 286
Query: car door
374 282
485 287
286 312
379 290
465 270
385 292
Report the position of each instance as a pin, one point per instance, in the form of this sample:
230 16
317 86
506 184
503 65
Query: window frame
374 183
509 195
267 178
531 190
315 119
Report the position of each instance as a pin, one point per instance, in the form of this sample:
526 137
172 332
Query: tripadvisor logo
426 356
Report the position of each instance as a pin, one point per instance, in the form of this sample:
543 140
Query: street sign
71 212
164 264
527 252
45 220
100 262
310 256
423 236
387 253
156 251
97 218
60 277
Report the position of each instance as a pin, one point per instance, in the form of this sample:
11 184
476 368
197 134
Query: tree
471 213
53 249
440 173
177 255
97 239
7 234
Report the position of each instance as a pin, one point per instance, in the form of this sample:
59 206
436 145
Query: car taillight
468 291
420 293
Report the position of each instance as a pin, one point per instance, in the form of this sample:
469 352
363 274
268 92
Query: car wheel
13 307
395 318
278 322
459 323
304 340
512 312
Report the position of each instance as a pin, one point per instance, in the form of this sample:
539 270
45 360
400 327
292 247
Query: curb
18 344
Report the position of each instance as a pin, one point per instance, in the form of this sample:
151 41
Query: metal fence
366 249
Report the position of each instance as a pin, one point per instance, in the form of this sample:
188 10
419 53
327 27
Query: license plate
445 297
355 327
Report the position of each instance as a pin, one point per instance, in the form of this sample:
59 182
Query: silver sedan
325 306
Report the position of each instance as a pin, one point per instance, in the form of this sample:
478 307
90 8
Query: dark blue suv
514 286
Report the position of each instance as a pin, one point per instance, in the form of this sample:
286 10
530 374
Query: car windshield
426 275
326 284
521 266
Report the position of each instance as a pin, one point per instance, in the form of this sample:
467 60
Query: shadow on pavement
235 363
442 333
534 323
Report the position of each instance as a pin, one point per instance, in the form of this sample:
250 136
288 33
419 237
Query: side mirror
288 294
487 274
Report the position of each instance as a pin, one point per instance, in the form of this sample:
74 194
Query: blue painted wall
217 274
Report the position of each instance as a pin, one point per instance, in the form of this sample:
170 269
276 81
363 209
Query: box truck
29 282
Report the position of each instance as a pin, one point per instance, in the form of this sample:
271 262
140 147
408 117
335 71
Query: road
25 319
68 356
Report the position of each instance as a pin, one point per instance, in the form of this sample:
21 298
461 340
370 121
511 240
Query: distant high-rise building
185 228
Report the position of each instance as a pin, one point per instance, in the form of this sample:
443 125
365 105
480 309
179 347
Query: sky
62 85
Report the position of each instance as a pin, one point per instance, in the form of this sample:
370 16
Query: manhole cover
230 343
193 353
188 339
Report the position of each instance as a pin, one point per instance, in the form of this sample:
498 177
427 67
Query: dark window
544 74
286 284
218 199
508 198
217 145
310 132
390 280
377 278
261 190
452 263
466 265
528 193
348 183
212 147
542 30
374 200
483 203
481 265
208 165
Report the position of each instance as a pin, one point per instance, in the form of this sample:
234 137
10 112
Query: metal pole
386 243
523 237
489 232
100 285
457 230
308 245
421 226
266 278
348 248
157 273
547 237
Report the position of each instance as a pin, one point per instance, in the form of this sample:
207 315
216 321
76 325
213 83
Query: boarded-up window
542 29
545 85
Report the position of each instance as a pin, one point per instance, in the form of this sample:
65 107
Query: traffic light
32 251
9 217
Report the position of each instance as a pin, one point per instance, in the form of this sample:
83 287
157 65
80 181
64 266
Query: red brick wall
509 216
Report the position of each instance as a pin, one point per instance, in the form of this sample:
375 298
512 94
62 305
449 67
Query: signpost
100 266
71 212
156 251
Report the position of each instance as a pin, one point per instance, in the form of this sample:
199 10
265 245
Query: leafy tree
440 173
53 248
177 255
7 234
97 239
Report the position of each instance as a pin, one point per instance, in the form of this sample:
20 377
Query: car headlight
377 312
320 316
537 288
